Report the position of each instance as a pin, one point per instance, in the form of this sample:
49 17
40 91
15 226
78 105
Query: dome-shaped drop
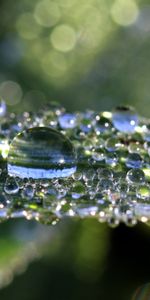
41 152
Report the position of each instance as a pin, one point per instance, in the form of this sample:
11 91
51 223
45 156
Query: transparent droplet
52 190
44 182
135 147
130 219
98 155
28 192
134 160
143 192
78 190
86 125
89 174
103 124
11 186
49 119
67 121
87 144
125 119
135 176
113 221
77 175
112 144
111 159
41 152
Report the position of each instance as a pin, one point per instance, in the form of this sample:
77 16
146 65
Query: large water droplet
125 119
41 152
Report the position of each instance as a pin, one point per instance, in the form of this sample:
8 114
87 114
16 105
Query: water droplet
77 175
52 190
41 152
111 159
113 222
67 121
103 124
143 192
112 144
135 147
87 144
135 176
130 219
89 174
28 192
98 155
78 190
11 186
125 119
134 160
86 125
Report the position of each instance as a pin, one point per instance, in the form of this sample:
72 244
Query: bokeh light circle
11 92
47 13
124 12
63 38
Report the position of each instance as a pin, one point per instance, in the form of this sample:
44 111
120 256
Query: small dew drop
111 159
78 190
28 192
67 121
143 192
134 160
112 144
125 119
103 124
135 176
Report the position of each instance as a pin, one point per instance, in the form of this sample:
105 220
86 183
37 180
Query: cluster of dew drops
103 171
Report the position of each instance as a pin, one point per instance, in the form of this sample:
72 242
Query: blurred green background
84 54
